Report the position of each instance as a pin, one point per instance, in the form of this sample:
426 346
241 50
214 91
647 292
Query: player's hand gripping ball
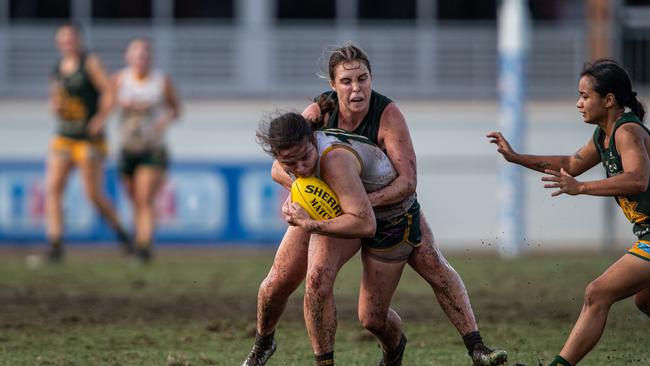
316 197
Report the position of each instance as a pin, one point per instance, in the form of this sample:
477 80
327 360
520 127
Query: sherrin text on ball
316 197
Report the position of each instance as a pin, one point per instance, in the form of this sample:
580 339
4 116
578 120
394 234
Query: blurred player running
148 104
81 98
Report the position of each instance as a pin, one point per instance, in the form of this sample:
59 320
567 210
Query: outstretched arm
634 178
584 159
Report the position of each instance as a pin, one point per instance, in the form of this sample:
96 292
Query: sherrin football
316 197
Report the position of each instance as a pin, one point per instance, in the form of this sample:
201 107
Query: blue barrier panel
200 202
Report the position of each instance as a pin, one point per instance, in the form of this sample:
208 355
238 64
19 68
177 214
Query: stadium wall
219 190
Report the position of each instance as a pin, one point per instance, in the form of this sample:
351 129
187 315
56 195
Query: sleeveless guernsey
635 207
79 99
377 171
369 127
137 131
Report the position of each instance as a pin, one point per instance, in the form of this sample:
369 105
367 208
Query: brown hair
345 54
341 55
281 131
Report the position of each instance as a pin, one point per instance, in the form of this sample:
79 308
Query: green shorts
395 238
129 161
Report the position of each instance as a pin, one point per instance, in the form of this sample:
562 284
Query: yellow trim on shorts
404 241
641 249
405 238
407 232
79 150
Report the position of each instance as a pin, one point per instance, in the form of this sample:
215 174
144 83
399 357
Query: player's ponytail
327 106
635 106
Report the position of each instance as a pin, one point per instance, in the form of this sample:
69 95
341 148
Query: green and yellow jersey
79 99
635 207
369 127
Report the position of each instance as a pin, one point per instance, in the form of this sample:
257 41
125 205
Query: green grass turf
197 307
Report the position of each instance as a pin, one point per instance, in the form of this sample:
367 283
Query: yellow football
316 197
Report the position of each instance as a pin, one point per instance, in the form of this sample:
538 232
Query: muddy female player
353 105
352 166
622 144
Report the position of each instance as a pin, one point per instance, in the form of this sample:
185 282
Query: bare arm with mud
340 170
584 159
395 139
631 145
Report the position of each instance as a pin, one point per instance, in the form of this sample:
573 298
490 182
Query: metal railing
441 60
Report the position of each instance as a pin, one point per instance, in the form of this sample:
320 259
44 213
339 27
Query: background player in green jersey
622 144
81 98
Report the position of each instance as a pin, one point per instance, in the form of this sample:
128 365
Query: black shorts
395 238
129 161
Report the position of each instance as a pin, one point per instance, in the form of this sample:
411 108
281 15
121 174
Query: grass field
197 307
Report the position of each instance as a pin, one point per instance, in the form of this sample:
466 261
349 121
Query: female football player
354 106
622 144
81 98
148 103
351 165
